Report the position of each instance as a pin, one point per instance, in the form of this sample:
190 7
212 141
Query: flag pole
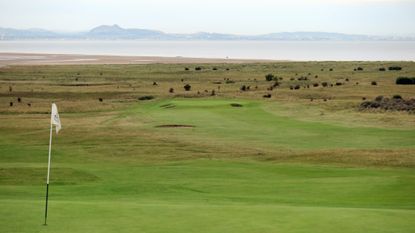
47 179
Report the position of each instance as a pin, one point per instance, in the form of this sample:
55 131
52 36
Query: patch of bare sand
8 59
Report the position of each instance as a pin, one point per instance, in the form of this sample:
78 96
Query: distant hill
115 32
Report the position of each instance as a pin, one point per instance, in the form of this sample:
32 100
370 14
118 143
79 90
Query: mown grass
280 165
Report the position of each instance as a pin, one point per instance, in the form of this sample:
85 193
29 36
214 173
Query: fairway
189 161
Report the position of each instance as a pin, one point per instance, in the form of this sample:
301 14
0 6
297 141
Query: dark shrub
359 69
276 84
315 84
395 68
397 97
29 104
101 99
228 81
236 105
146 97
19 99
171 90
227 69
339 83
296 87
198 68
374 105
10 88
187 87
155 84
379 98
292 79
11 104
374 83
101 73
182 80
270 88
269 77
324 84
267 96
214 68
347 79
186 68
382 69
363 98
316 76
357 83
213 93
243 88
331 69
405 81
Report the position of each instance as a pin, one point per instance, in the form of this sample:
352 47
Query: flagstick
47 179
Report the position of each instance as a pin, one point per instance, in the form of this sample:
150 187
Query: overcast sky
381 17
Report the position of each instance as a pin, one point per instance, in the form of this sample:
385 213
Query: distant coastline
115 32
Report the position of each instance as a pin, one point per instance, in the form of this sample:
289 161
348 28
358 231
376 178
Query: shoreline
9 59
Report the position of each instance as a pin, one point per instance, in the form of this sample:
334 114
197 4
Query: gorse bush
269 77
405 81
395 68
187 87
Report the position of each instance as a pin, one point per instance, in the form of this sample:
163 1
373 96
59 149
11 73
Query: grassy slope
115 172
253 125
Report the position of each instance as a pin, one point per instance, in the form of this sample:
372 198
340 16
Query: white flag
55 118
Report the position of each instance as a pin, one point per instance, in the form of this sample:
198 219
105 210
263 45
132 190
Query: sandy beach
7 59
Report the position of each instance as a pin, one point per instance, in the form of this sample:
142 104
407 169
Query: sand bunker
175 126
